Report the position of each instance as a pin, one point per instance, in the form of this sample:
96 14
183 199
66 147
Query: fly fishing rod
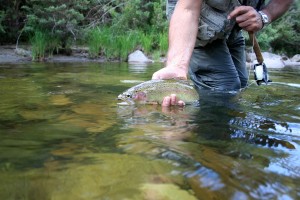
260 69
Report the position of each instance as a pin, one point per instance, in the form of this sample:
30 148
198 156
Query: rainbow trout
153 92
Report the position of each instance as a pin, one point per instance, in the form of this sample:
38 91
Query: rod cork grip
256 48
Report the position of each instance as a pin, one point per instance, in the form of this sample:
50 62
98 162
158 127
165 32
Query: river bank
10 55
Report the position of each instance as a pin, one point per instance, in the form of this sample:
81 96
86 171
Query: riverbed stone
60 100
23 52
271 60
275 61
296 58
165 191
138 57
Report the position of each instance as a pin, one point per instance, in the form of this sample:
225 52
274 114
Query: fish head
124 96
132 96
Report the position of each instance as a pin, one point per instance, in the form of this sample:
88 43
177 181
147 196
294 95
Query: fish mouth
125 102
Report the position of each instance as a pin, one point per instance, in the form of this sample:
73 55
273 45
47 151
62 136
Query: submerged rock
165 191
60 100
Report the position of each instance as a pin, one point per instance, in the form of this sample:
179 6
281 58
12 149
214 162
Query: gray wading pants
220 65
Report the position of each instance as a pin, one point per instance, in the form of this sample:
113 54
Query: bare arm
248 18
182 38
276 8
183 33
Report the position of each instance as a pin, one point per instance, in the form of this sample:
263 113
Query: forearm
276 8
182 36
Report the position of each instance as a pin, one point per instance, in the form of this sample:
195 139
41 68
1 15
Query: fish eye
128 95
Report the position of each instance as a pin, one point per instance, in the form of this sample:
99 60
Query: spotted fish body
153 92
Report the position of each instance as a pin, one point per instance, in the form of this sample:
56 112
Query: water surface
62 136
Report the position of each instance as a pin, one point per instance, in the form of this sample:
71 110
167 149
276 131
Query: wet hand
247 18
170 73
172 100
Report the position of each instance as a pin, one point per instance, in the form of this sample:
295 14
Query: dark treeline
113 27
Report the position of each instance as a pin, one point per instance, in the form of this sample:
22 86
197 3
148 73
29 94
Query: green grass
126 44
106 42
98 40
39 45
114 44
163 43
146 41
117 45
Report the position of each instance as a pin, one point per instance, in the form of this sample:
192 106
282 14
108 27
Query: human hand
247 18
170 73
171 100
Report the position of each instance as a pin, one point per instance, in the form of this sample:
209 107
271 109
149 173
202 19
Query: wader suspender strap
245 2
259 4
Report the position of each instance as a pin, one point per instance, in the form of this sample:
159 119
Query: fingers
166 102
180 103
237 12
247 18
172 101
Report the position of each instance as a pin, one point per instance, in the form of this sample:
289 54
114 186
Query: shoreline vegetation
107 30
102 43
80 54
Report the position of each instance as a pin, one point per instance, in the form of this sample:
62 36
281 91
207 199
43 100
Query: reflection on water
62 136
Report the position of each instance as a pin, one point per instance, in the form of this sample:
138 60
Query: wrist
265 19
182 70
177 66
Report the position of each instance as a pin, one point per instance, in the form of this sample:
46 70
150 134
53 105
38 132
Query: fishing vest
213 22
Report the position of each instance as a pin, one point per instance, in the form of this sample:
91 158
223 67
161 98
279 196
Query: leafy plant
288 39
11 20
61 19
283 35
2 16
267 36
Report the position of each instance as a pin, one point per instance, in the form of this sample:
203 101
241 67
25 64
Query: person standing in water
206 42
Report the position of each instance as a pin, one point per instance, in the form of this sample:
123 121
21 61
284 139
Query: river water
62 136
